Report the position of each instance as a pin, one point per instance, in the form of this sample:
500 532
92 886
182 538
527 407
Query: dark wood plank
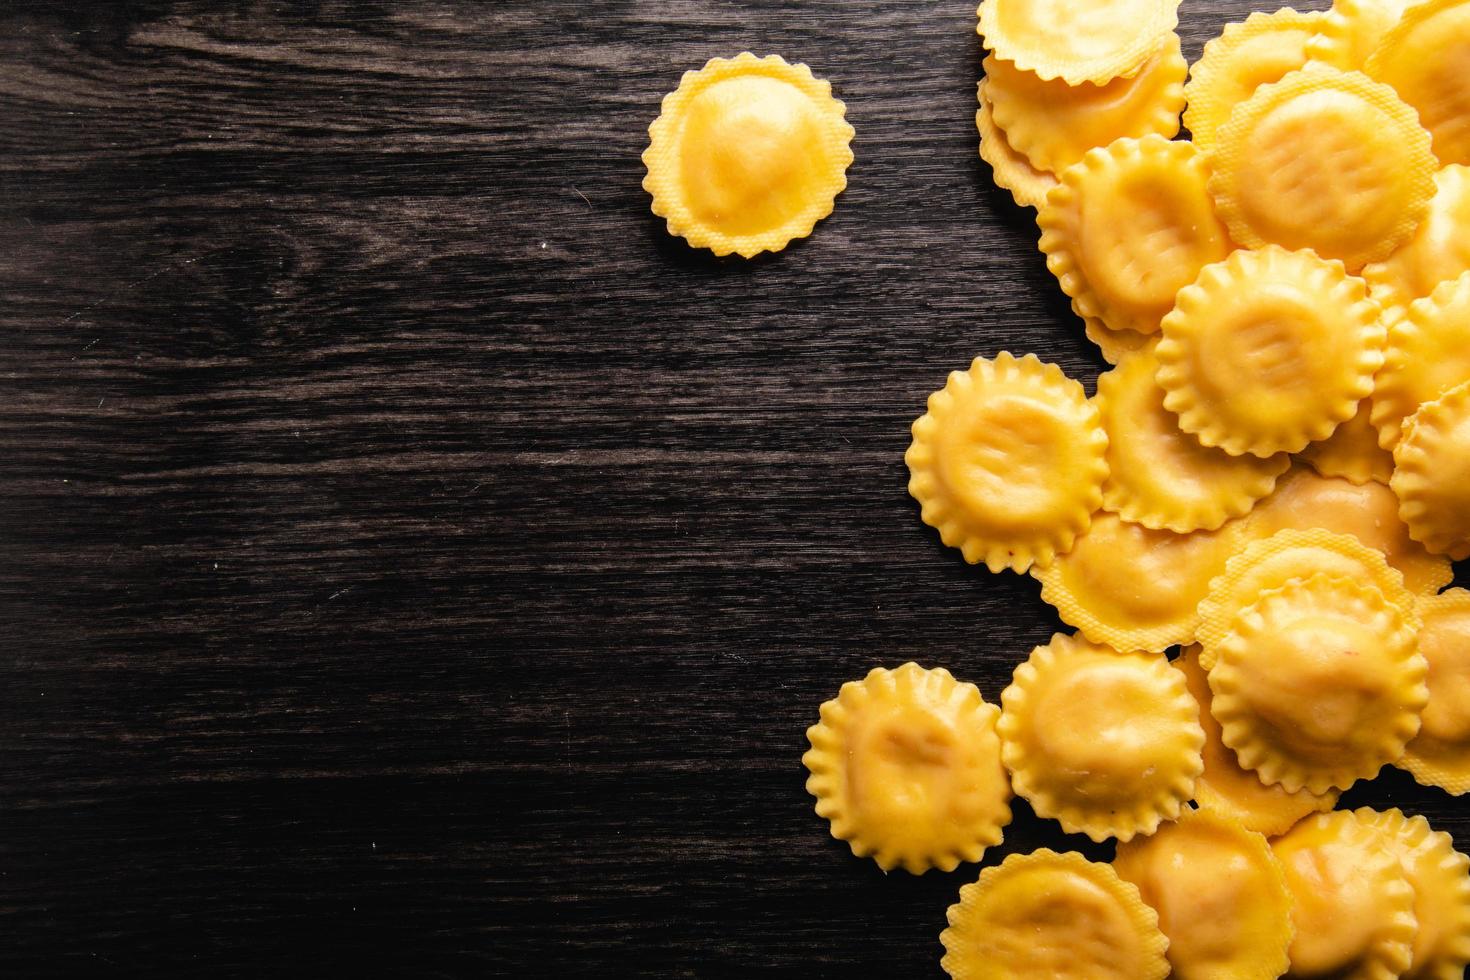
413 559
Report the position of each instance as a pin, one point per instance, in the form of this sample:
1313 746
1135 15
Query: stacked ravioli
1250 524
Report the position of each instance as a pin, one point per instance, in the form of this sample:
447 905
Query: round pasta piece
1426 58
1046 914
1431 474
1010 170
1220 894
1008 463
1319 684
747 154
1269 563
1368 511
1352 907
1440 877
1236 793
1262 50
1114 345
1054 124
1428 353
1352 451
1352 29
1438 252
1162 477
1326 160
1127 227
1440 754
906 765
1132 588
1108 743
1077 40
1268 351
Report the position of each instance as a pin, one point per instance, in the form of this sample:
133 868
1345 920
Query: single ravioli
1114 345
1052 915
1326 160
906 765
1440 877
1009 461
1270 562
1225 788
1107 743
1368 511
1352 451
1352 29
1352 904
1132 588
1427 354
1426 58
1263 49
1220 895
1431 474
1077 40
747 154
1054 124
1319 684
1162 477
1438 252
1010 170
1269 351
1127 227
1440 754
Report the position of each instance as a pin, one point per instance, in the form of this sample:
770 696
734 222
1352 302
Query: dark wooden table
413 561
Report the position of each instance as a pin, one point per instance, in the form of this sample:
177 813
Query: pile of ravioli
1274 478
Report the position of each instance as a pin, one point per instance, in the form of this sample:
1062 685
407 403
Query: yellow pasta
1162 477
1114 345
1428 353
1352 451
1431 475
747 154
1107 743
1440 754
1127 227
906 766
1440 878
1352 29
1077 41
1262 50
1010 170
1269 351
1052 915
1325 160
1054 124
1426 58
1438 251
1008 463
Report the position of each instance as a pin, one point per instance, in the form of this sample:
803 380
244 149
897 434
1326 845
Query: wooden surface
411 559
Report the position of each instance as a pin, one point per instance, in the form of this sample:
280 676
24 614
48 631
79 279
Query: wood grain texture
414 561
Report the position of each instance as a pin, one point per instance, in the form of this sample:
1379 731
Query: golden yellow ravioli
1269 351
1352 451
1438 251
906 765
1008 463
1426 58
1440 877
1132 588
1225 788
1054 124
1127 227
1077 40
1220 894
1352 29
1319 684
1440 754
1271 562
1262 50
1431 474
1428 353
1010 170
1114 345
1052 915
1368 511
1108 743
1325 160
747 154
1162 477
1352 904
